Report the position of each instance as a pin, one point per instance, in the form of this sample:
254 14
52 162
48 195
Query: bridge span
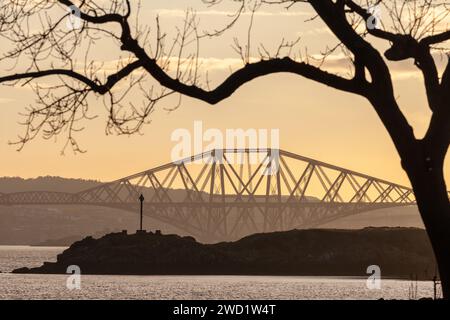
228 193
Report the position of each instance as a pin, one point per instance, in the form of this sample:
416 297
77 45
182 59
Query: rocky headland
400 253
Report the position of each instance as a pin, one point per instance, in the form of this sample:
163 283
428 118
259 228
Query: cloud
315 32
400 70
182 13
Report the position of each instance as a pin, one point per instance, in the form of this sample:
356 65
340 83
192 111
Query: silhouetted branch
177 71
93 85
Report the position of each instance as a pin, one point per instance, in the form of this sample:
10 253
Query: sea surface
19 286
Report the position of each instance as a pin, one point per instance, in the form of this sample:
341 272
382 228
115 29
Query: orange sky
314 120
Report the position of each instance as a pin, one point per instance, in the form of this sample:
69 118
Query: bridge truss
228 193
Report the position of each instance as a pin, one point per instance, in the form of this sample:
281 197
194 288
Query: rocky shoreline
400 253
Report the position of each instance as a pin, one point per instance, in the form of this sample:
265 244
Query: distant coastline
403 253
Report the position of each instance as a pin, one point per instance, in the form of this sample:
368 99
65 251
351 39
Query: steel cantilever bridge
228 193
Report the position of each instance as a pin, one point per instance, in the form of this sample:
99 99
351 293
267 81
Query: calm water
14 286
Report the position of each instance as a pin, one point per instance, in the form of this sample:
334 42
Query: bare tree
417 30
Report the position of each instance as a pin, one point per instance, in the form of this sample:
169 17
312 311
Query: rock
21 270
399 252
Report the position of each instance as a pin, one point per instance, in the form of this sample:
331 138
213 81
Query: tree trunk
429 187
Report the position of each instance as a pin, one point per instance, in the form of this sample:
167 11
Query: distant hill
49 183
25 225
16 184
408 216
399 252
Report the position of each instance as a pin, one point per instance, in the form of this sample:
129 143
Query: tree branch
107 18
94 86
381 91
404 46
234 81
433 39
250 72
338 24
363 13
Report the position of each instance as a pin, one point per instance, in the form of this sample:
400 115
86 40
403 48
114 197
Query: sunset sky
314 120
